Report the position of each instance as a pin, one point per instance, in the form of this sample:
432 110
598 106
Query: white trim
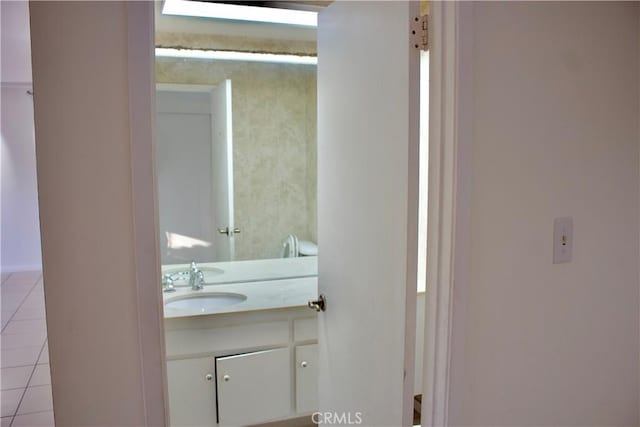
184 87
413 195
449 202
140 40
26 85
20 268
230 195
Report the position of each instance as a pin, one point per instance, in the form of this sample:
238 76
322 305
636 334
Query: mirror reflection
236 162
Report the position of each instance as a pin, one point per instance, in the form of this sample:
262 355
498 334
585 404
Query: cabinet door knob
304 364
226 378
208 377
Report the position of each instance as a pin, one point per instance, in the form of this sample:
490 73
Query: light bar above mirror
226 55
240 12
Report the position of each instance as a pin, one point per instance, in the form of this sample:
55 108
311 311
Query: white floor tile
41 376
36 399
17 377
29 313
32 420
19 356
6 317
44 357
25 327
6 421
12 299
9 400
25 277
4 276
34 300
8 342
15 291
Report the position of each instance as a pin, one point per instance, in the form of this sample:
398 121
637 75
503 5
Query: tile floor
25 395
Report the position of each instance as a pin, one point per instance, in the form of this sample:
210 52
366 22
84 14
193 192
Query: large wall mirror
236 153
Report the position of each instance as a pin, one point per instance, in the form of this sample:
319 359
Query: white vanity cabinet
253 387
241 368
191 391
306 378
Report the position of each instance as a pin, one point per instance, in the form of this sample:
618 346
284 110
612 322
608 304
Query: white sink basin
206 302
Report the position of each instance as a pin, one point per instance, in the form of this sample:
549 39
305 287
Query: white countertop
252 270
260 295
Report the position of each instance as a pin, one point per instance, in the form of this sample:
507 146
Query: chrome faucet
196 277
167 283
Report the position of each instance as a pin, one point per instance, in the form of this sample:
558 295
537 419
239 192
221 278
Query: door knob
319 304
228 231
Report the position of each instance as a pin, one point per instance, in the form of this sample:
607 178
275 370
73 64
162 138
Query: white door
222 152
253 387
368 105
306 378
192 400
195 172
183 135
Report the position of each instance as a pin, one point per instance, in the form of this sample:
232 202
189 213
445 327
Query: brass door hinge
420 32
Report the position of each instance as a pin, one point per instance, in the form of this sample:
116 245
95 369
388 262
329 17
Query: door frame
450 36
448 240
149 301
209 89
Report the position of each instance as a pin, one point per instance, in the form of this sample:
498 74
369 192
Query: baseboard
20 268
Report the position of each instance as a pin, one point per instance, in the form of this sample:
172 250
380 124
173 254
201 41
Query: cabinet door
254 387
192 400
306 378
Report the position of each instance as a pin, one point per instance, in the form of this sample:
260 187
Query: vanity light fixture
239 12
226 55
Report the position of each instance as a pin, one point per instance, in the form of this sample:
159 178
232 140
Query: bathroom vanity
249 357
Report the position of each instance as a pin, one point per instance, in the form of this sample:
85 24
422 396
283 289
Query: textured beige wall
250 44
274 128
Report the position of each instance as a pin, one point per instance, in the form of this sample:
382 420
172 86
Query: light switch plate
562 240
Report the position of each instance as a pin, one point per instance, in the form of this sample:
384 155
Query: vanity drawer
305 329
197 341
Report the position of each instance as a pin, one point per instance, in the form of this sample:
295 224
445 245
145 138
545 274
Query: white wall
555 133
20 232
14 42
93 84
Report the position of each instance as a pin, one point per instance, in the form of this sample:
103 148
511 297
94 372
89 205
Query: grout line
28 384
22 302
34 412
35 364
40 355
28 413
6 278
